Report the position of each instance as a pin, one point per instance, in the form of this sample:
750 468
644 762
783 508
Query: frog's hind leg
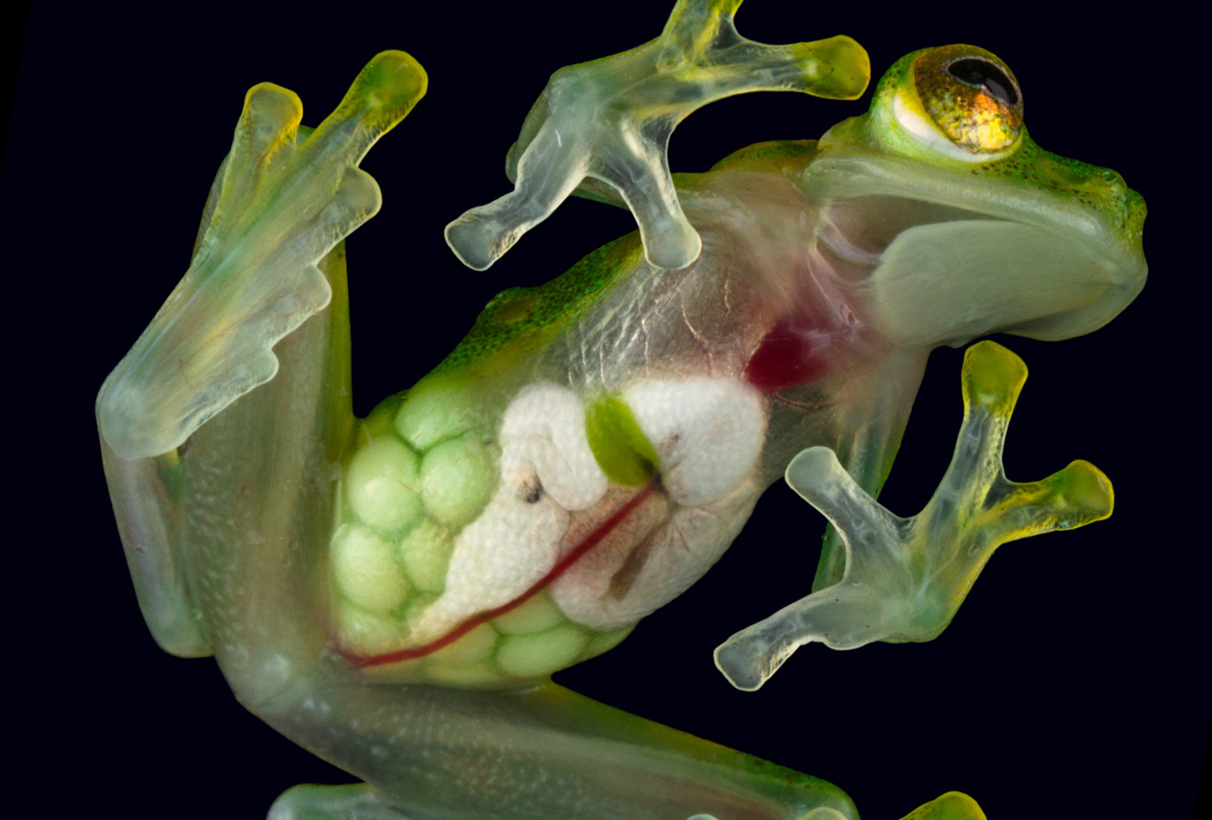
905 579
264 262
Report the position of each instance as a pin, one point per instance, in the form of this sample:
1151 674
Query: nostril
1114 179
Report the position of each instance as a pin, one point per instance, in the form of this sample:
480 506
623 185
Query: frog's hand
608 122
281 206
905 578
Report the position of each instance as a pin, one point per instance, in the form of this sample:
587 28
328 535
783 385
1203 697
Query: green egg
431 414
538 654
457 479
365 569
381 484
535 615
425 552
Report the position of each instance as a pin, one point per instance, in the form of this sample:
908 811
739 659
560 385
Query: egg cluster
481 559
422 475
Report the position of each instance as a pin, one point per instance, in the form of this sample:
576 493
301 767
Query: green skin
228 538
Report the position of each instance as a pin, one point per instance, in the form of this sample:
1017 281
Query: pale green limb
145 494
905 578
605 126
283 204
867 452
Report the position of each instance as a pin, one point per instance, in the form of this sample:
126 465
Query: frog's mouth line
563 565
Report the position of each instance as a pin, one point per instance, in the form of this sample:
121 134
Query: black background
1073 683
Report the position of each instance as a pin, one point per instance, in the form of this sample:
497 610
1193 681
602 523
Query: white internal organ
625 577
545 425
547 469
553 495
708 433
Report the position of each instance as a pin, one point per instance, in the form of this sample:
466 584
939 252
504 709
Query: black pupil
979 72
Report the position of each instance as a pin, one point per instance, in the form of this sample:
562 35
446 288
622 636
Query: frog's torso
595 444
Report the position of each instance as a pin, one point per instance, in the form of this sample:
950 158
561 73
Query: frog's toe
353 802
547 175
951 806
844 616
906 578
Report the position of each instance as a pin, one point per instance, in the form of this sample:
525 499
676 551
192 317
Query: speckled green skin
1124 209
526 317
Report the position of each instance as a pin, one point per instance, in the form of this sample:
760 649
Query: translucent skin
230 547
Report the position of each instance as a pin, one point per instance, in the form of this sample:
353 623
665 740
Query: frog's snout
1124 208
1106 191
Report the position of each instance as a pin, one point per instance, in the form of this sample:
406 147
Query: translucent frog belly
481 557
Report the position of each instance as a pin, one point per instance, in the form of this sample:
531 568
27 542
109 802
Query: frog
393 593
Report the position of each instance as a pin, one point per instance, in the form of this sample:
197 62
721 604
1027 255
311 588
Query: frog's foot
354 802
905 578
279 204
605 126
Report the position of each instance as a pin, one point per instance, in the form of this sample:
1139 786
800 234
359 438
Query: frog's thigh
354 802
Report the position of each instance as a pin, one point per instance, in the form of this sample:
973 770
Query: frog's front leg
605 126
905 579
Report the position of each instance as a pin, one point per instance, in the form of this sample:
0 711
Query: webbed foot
605 126
281 203
905 578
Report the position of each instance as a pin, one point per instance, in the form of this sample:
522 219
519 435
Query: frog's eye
969 95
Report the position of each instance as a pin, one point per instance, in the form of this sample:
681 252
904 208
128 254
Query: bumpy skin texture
595 443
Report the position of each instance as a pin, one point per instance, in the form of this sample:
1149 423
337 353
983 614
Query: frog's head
978 228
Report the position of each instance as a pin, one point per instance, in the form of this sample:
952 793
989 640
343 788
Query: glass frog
394 592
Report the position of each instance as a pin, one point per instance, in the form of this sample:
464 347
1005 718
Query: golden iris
971 95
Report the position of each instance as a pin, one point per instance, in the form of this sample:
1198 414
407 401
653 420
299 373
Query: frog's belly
567 551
